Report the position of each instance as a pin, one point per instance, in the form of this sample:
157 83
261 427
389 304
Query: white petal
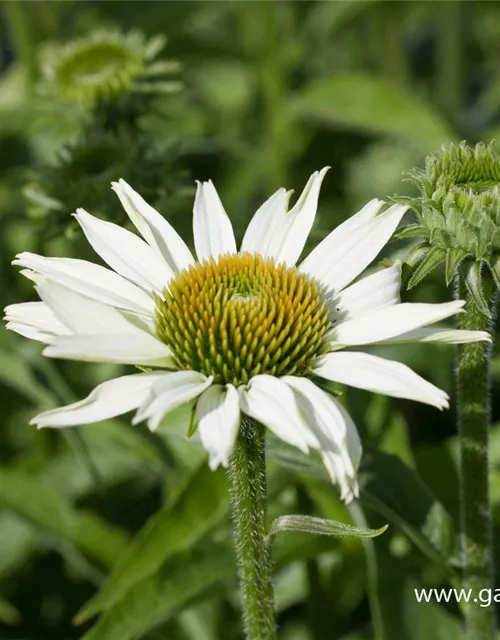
172 391
140 349
27 331
388 322
380 289
109 399
89 279
125 252
334 464
350 248
34 320
218 412
338 439
212 229
448 336
270 401
366 371
263 233
276 234
82 315
292 238
159 233
337 238
330 422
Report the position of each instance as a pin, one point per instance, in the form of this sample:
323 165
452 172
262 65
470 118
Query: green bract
458 212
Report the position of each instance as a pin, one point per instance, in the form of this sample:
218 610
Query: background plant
270 92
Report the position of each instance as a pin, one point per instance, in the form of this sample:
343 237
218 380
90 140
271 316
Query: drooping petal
107 400
34 320
171 392
218 413
366 371
262 234
141 349
351 247
448 336
387 322
82 315
270 401
157 231
338 439
89 279
287 233
125 252
380 289
212 228
32 333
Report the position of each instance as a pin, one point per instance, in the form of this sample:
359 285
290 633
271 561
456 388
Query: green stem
473 386
388 41
247 476
274 91
450 58
315 614
22 40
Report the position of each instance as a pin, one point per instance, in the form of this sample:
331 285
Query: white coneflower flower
238 332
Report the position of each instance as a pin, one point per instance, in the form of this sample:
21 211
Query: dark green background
272 91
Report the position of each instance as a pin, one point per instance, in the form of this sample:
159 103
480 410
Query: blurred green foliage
254 95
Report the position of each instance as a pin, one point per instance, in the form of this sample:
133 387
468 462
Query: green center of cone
240 316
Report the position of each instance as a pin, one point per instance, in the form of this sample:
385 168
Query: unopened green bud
458 213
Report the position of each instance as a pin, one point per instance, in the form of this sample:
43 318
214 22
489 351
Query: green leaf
48 510
394 490
157 598
8 613
453 259
18 542
321 526
373 104
398 493
174 529
190 576
428 264
16 373
474 283
395 611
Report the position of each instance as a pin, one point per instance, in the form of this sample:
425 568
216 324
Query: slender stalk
450 57
19 26
317 616
247 476
473 386
274 92
388 41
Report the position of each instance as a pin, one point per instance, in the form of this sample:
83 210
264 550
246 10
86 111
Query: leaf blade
173 529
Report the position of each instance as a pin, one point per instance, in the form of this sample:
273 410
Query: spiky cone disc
240 316
458 213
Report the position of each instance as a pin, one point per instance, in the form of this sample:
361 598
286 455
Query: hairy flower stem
247 476
473 383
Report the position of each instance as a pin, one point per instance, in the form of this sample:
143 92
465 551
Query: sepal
428 264
411 231
474 283
454 258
